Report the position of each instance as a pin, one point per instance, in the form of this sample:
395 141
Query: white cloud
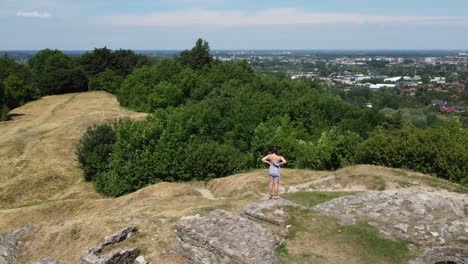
277 16
33 14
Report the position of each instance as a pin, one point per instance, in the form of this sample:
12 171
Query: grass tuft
310 199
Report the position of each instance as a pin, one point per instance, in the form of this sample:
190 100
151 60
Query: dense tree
16 91
121 61
107 80
198 57
55 73
141 90
96 61
441 151
124 61
15 86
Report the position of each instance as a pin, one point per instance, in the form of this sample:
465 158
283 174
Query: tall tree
56 73
198 56
97 61
124 61
16 91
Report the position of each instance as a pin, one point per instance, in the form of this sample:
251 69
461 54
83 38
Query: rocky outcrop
426 219
222 237
442 255
119 236
10 244
128 256
95 256
270 210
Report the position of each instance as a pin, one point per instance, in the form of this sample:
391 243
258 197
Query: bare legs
270 188
273 188
276 187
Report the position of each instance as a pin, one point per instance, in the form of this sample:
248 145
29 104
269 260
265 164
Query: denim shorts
273 177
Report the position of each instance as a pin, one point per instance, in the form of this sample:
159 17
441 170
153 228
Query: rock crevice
222 237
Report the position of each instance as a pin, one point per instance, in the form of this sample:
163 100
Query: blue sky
234 24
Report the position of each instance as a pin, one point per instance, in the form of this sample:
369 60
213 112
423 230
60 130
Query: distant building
439 103
393 79
381 85
440 80
379 76
430 60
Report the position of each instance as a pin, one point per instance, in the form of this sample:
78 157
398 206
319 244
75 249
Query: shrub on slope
440 151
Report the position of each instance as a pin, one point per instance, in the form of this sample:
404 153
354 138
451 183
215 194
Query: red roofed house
447 110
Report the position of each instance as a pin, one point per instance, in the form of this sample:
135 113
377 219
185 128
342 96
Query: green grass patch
362 243
373 247
310 199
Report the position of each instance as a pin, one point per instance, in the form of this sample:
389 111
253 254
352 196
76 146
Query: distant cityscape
401 72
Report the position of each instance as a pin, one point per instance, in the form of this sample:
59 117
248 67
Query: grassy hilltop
42 184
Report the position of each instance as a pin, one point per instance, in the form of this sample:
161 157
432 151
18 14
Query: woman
275 161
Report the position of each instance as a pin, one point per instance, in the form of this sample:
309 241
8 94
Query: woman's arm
283 160
265 159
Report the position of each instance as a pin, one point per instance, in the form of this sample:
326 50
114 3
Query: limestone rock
119 236
140 260
127 256
10 244
426 219
222 237
443 255
402 227
269 210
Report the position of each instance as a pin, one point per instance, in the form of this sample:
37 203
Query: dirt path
37 159
206 193
374 178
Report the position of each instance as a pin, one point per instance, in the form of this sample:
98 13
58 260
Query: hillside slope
37 160
41 184
68 227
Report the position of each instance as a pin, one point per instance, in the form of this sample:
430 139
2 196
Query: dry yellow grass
41 184
37 160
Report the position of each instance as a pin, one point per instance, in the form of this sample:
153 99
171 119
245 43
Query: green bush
4 113
107 80
134 160
94 149
440 151
147 87
210 160
333 150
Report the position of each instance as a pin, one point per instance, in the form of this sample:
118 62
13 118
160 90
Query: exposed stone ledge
10 244
270 210
443 255
222 237
426 219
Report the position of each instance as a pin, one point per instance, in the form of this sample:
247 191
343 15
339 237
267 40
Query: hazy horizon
235 25
256 49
